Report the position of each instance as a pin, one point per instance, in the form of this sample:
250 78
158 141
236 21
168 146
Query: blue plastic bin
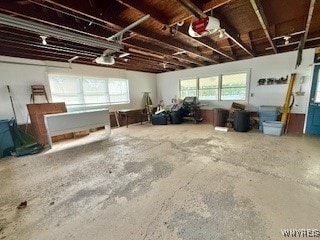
273 128
267 116
5 137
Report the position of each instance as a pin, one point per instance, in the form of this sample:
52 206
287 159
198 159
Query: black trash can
220 117
241 121
176 117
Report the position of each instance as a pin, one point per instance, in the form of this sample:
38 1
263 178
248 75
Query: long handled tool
286 107
14 112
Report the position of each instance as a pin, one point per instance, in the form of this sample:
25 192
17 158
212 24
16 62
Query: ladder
38 90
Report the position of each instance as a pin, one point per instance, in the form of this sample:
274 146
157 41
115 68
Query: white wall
273 66
21 77
162 86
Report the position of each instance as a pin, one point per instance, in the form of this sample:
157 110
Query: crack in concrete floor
182 175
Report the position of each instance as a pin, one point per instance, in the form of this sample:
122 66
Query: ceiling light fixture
44 40
286 39
105 60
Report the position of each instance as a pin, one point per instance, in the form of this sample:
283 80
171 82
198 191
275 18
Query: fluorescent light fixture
45 30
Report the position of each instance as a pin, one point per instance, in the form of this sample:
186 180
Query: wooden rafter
310 13
230 32
257 7
84 9
230 45
205 8
203 42
192 8
57 22
214 4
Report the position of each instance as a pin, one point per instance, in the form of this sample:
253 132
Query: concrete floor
163 182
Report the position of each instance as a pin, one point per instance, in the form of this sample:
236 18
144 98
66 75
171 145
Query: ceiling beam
214 4
310 13
230 45
204 42
50 19
146 49
15 9
83 8
234 36
205 8
145 9
257 7
5 36
192 8
197 12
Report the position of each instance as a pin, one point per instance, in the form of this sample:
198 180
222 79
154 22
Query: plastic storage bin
269 109
268 113
6 141
273 128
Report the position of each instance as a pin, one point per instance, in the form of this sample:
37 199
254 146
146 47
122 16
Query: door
313 118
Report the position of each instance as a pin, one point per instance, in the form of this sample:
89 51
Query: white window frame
218 87
246 86
82 106
185 79
247 72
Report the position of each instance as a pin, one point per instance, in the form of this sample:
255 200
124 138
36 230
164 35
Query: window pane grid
221 87
84 91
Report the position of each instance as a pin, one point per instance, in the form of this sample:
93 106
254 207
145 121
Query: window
118 90
224 87
208 88
66 89
234 86
188 88
87 91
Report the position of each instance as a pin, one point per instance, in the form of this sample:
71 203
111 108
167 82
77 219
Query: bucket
220 117
6 142
241 121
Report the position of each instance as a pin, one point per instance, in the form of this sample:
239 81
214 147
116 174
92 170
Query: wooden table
127 112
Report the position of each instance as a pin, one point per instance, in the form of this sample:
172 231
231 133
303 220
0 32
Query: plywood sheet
36 112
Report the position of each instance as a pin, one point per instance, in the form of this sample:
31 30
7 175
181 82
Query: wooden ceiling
161 43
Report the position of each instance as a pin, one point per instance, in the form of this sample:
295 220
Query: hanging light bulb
44 40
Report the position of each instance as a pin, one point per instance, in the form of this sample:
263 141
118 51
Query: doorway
313 117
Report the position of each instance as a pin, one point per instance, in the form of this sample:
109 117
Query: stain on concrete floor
163 182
